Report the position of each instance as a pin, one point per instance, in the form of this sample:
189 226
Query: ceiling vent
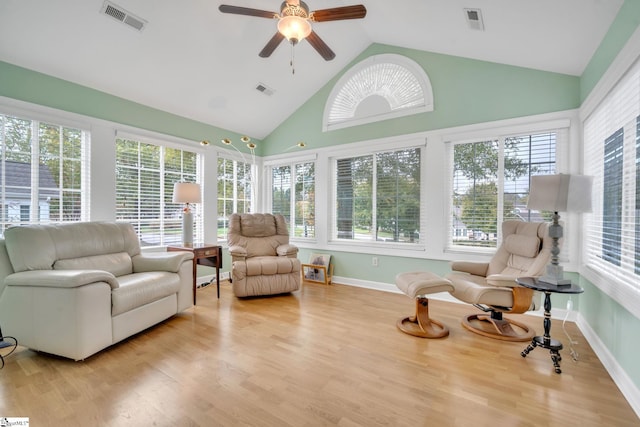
120 14
264 89
474 18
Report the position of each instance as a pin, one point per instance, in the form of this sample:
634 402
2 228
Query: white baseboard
619 376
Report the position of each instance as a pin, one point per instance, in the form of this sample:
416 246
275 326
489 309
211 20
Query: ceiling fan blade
271 45
319 45
338 13
225 8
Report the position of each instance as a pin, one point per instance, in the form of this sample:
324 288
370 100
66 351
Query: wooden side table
545 341
203 254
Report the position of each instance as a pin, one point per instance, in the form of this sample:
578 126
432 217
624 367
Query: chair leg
420 325
494 326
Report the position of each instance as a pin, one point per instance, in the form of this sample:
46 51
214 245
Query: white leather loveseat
74 289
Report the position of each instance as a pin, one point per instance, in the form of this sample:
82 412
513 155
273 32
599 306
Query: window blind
378 197
145 174
490 183
612 157
44 173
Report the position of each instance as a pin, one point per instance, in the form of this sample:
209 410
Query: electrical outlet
569 305
374 261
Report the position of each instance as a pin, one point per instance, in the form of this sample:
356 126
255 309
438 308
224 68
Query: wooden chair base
501 329
421 325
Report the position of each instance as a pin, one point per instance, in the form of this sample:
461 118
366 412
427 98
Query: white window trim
403 61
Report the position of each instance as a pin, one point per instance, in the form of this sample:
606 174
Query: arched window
378 88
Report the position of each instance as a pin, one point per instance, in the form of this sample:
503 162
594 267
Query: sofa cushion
138 289
117 264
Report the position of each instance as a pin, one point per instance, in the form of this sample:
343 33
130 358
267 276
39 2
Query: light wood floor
326 355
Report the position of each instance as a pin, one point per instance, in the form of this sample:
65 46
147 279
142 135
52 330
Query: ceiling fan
294 23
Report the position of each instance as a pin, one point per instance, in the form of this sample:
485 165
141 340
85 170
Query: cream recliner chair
263 261
492 287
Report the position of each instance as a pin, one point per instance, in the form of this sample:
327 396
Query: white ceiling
193 61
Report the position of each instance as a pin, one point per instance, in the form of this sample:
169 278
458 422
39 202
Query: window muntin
377 197
490 184
235 191
293 196
145 174
44 174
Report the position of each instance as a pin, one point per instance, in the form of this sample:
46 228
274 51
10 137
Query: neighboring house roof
17 177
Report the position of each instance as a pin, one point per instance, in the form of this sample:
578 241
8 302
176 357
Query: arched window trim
402 61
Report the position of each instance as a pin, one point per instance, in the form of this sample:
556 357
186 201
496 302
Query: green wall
626 22
466 91
30 86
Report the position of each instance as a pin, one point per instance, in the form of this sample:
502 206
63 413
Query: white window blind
44 173
612 157
490 183
145 174
293 196
235 191
377 197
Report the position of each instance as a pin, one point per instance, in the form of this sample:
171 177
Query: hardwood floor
326 355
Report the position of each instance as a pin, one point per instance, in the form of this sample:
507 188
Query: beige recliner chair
492 287
263 261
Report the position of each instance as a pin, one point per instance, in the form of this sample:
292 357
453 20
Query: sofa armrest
238 251
287 250
160 261
471 267
503 280
60 278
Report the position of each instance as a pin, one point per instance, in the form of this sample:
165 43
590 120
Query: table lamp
187 193
559 193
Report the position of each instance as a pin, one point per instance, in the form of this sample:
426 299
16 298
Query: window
293 196
235 191
145 174
490 184
612 157
43 172
377 197
378 88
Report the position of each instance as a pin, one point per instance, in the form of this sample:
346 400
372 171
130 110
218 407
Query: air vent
120 14
474 18
264 89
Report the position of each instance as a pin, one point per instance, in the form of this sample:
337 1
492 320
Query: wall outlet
374 261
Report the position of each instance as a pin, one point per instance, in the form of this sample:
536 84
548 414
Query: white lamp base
187 228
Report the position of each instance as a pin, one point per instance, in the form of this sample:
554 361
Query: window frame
36 120
406 63
197 208
562 128
253 182
291 162
403 142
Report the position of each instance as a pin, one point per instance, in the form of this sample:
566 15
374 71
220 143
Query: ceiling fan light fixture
294 28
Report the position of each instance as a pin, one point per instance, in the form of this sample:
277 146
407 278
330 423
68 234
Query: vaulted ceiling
194 61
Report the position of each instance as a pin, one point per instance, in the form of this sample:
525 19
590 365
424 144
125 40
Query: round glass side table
545 341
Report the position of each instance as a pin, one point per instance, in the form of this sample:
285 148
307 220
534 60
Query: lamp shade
560 193
186 192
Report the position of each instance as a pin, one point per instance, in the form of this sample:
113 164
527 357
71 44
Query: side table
203 254
545 341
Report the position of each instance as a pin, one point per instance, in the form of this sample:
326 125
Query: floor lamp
187 193
559 193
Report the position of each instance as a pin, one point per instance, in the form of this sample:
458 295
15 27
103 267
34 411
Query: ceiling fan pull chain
293 69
